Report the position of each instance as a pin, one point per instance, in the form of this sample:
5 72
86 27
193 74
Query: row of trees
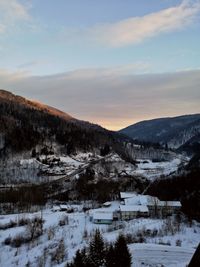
100 254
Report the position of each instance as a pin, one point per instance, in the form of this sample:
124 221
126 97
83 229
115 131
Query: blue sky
103 38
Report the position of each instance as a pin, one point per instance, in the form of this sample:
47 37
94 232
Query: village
130 206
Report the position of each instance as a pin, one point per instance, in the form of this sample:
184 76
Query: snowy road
159 255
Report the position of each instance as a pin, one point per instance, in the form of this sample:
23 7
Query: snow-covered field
161 244
160 255
152 170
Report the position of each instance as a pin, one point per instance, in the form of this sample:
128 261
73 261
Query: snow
68 160
152 170
107 204
64 207
124 195
151 252
85 157
102 216
160 255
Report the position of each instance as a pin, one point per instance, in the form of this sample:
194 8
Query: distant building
101 217
156 207
129 212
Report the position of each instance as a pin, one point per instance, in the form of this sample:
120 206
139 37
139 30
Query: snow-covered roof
125 195
140 208
107 204
174 203
132 201
141 200
56 208
62 206
170 203
102 216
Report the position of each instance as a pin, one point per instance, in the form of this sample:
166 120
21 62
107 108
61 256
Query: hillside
34 137
27 125
176 132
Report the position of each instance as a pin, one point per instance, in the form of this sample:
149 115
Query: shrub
18 240
64 220
7 241
178 243
59 254
34 228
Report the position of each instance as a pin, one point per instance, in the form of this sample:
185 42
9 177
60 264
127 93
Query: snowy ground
156 249
152 170
160 255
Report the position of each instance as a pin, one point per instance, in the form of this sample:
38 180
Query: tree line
100 254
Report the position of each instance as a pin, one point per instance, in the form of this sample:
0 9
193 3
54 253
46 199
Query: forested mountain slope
175 132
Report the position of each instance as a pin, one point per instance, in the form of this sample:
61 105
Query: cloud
12 12
137 29
112 99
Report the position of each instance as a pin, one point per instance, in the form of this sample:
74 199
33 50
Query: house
170 207
129 212
157 208
102 217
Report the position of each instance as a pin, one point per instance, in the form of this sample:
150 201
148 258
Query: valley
61 179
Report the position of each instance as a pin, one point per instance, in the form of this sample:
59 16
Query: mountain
176 132
6 96
28 125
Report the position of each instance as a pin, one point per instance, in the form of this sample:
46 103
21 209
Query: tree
110 257
122 254
80 259
97 250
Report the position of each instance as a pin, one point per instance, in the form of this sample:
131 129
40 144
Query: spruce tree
110 257
78 260
97 250
122 254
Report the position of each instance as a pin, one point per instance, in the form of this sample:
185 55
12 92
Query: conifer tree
78 260
97 250
122 254
110 257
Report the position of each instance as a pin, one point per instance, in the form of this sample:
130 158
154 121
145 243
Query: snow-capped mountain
175 131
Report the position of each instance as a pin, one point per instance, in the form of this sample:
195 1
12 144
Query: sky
111 62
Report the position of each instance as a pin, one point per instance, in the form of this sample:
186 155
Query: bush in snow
51 233
64 220
8 225
7 241
59 254
34 228
18 240
178 243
